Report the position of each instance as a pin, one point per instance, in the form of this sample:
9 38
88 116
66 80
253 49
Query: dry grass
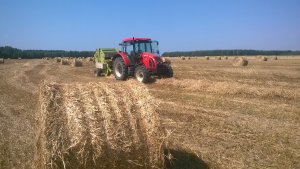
98 125
240 62
226 117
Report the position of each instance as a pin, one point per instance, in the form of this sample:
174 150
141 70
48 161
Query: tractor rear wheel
142 74
165 70
120 69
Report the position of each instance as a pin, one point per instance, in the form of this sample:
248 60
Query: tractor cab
135 48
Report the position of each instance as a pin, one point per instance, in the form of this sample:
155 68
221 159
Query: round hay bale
226 58
182 58
240 62
262 58
274 58
65 62
19 58
58 60
218 57
98 125
189 58
207 57
77 63
1 60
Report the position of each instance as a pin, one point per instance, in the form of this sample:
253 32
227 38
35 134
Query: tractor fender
123 56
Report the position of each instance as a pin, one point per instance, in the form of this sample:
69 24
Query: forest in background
14 53
234 52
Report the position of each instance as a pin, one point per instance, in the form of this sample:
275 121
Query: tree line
231 53
14 53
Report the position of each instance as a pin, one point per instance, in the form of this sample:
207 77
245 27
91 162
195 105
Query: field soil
216 115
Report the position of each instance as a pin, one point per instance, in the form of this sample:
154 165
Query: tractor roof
131 39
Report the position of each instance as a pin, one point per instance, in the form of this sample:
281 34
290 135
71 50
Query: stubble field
216 115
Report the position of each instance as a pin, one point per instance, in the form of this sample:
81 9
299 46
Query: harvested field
216 115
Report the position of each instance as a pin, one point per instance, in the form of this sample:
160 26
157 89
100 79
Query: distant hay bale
65 62
77 63
207 57
1 60
98 125
226 58
182 58
240 62
189 58
274 58
19 58
262 58
58 60
218 58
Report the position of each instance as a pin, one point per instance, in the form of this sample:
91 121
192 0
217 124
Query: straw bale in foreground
98 125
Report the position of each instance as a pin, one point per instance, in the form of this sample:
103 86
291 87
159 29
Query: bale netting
98 125
1 60
240 62
77 62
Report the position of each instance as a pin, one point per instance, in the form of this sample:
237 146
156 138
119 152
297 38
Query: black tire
98 72
120 69
165 70
142 74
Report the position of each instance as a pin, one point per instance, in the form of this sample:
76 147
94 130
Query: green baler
103 61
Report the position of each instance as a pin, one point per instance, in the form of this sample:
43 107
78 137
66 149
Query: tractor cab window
154 48
129 49
147 46
143 47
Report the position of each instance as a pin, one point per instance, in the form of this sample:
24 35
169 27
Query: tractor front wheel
120 69
142 74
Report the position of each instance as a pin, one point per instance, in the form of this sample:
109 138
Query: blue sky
178 25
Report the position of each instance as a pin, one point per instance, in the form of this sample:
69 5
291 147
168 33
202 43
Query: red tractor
140 57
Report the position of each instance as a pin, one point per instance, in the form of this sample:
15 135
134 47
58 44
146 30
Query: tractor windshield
147 46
